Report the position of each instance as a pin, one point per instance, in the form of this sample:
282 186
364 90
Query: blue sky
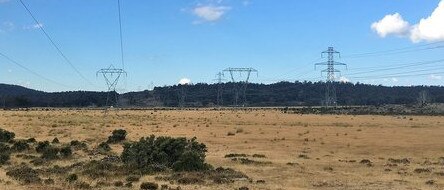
166 41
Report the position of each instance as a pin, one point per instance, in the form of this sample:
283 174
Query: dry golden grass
305 151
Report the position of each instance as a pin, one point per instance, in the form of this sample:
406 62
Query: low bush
149 186
19 146
4 148
4 157
132 178
104 147
77 145
55 141
179 154
50 153
71 178
118 184
42 146
24 174
31 140
117 136
6 136
66 152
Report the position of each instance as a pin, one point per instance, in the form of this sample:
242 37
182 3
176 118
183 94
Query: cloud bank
428 29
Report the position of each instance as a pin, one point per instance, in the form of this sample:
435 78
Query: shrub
31 140
104 147
71 178
117 136
24 174
179 154
4 157
20 146
77 145
83 185
149 186
48 181
50 153
132 178
6 136
118 184
42 146
4 148
66 152
55 141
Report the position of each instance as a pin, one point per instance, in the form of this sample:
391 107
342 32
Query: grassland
275 150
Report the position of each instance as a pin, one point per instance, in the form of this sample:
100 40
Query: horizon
391 44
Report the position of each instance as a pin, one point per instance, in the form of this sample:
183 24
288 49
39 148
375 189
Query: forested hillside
205 95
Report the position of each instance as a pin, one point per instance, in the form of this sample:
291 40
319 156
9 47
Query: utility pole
111 76
244 83
219 79
330 91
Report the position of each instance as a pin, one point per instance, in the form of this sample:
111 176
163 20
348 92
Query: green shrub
4 157
55 141
6 136
31 140
118 184
4 148
104 147
42 146
50 153
71 178
77 145
20 146
117 136
24 174
132 178
66 152
149 186
179 154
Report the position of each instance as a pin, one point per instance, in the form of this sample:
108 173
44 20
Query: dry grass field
282 151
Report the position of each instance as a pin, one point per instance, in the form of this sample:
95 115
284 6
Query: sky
393 43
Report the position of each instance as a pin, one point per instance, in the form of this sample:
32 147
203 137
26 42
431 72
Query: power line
54 44
396 51
399 67
400 73
121 35
31 71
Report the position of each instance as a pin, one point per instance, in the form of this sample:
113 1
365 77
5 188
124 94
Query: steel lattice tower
330 91
244 83
219 79
111 76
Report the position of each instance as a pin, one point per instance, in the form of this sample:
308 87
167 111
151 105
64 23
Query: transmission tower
243 83
111 76
182 95
219 79
423 98
330 91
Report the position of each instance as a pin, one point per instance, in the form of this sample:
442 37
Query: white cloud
210 13
395 80
344 79
184 81
392 24
7 26
34 26
435 77
430 28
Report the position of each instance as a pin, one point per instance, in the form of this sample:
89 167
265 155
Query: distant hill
205 95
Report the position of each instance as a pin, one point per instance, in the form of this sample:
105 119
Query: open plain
274 149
